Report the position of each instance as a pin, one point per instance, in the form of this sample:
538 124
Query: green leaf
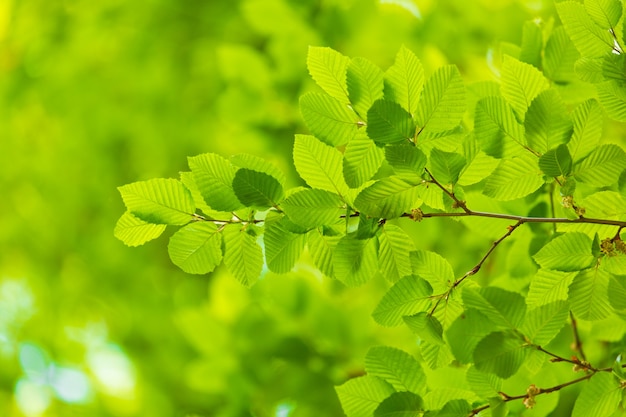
408 296
617 291
446 166
599 397
328 68
255 163
589 38
455 408
319 165
496 128
479 165
532 44
466 331
548 287
196 248
396 367
404 80
500 353
214 176
543 323
361 160
559 57
365 85
321 248
400 404
443 101
521 83
328 119
606 205
354 260
406 159
433 268
159 201
602 167
393 252
547 123
483 384
501 307
514 178
311 207
282 247
135 232
389 197
556 162
588 294
568 252
242 255
615 264
590 69
588 121
257 189
360 396
388 122
427 327
612 96
605 13
188 180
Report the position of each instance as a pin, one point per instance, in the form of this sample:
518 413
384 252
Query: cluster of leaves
388 146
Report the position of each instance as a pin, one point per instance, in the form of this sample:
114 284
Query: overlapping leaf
446 166
500 353
547 123
612 95
242 254
361 160
393 252
282 247
360 396
521 83
497 129
365 85
134 232
605 13
568 252
602 167
556 162
588 294
514 178
390 197
590 39
319 165
159 201
443 101
401 404
196 248
321 248
600 397
354 260
328 68
396 367
388 122
257 189
549 286
503 308
328 119
408 296
214 176
312 207
560 56
587 118
404 80
543 323
406 160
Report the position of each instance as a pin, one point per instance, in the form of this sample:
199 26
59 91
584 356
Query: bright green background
97 94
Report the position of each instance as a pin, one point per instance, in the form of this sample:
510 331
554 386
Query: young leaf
255 163
159 201
587 118
521 83
214 176
404 80
321 249
312 207
547 123
257 189
242 255
388 122
548 287
568 252
328 68
282 247
605 13
354 260
389 198
443 101
588 294
496 128
532 44
396 367
556 162
401 404
589 38
361 160
408 296
319 165
446 166
427 327
484 385
328 119
612 96
543 323
135 232
600 397
514 178
393 252
406 160
196 248
500 353
617 292
360 396
503 308
433 268
466 331
365 85
559 57
590 69
602 167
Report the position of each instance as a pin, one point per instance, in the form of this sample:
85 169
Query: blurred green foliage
94 95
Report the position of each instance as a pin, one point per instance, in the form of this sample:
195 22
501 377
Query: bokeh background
97 94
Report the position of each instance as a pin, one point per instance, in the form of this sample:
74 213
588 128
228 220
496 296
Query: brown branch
458 203
578 345
582 364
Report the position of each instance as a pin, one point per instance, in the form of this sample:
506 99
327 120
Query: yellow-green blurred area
97 94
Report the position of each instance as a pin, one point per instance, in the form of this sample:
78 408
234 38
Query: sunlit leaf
282 247
589 38
612 96
242 254
446 166
547 123
549 286
408 296
257 189
559 57
404 80
514 178
328 68
159 201
605 13
600 397
568 252
396 367
587 118
354 260
588 294
407 160
443 101
361 160
556 162
543 323
196 248
466 331
602 167
497 129
390 197
521 83
328 119
311 207
360 396
400 404
319 165
214 176
503 308
500 353
365 85
393 252
135 232
388 122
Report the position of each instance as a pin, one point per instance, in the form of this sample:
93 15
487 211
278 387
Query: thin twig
578 345
458 203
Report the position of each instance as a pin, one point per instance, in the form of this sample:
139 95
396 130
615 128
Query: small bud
568 201
607 247
417 215
580 211
620 246
532 390
529 402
